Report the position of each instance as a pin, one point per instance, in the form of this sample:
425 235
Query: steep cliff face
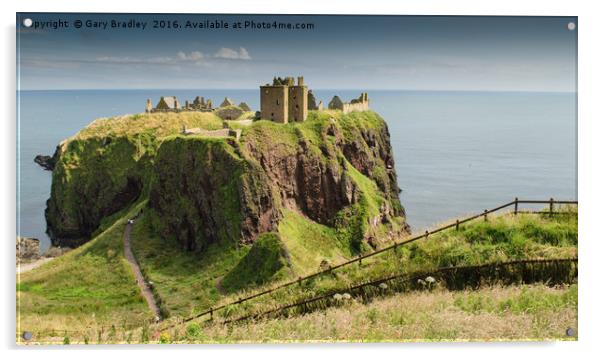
334 169
204 192
92 179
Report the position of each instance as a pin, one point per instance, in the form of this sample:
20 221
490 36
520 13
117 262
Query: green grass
310 243
185 281
267 260
445 249
90 286
527 300
157 124
533 312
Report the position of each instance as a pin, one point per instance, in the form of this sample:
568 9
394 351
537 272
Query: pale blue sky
342 52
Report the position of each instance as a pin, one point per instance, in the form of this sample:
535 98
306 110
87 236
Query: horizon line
318 89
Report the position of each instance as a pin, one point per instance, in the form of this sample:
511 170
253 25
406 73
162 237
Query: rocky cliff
334 169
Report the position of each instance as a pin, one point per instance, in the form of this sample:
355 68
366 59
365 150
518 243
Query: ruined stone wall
297 98
274 103
359 106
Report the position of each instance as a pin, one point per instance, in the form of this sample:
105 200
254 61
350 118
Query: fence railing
455 225
527 271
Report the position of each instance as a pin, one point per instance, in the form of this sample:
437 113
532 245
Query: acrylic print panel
192 178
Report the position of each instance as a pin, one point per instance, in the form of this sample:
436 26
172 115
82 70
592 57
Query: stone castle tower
283 101
149 106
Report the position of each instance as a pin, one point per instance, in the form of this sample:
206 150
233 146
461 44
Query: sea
456 153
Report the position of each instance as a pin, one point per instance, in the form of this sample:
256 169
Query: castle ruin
284 101
172 104
357 104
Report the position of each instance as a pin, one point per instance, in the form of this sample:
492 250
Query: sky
339 52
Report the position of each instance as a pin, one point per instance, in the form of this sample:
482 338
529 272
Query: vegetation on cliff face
106 167
210 198
334 169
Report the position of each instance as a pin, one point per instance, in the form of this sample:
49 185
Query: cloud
181 57
231 54
135 60
193 56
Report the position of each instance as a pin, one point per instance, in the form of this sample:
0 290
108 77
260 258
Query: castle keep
283 100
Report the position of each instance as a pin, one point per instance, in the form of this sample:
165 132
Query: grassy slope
494 313
90 286
310 243
186 282
267 260
504 237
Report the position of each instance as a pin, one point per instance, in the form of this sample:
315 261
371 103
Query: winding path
144 288
21 268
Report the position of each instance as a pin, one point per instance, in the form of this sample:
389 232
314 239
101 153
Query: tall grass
534 312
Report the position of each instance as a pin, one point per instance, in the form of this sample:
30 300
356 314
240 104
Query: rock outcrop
45 161
28 249
201 191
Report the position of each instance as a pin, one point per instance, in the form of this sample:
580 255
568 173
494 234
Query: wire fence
550 271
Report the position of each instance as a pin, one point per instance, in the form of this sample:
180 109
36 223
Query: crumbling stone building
172 104
357 104
284 101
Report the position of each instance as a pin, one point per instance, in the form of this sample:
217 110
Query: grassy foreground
91 289
533 312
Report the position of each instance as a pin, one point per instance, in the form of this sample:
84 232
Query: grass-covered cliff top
166 124
158 124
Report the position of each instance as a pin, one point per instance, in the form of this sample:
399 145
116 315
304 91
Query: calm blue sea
456 152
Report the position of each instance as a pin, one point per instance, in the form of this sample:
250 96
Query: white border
589 166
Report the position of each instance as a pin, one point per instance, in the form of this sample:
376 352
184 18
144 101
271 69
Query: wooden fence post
426 234
457 224
551 206
485 216
515 206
